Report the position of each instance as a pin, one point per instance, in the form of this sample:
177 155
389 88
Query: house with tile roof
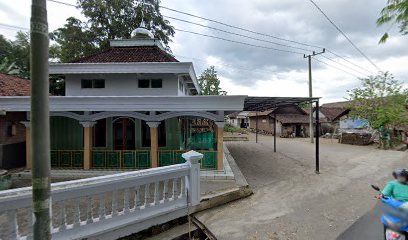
238 119
131 106
12 132
334 116
291 121
13 86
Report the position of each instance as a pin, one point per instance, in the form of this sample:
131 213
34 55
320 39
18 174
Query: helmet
400 172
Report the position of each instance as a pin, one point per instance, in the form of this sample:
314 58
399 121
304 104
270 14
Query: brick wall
265 123
6 124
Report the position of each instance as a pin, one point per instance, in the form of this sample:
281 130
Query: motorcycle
394 217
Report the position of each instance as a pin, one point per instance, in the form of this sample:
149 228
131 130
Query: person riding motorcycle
398 188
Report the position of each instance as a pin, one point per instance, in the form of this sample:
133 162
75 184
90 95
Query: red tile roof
129 54
13 86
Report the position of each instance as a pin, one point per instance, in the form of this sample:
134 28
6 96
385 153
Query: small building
238 119
333 116
12 132
291 121
131 106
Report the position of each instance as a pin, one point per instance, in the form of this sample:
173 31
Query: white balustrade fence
109 206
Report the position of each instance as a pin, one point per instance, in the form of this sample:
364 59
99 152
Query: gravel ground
290 200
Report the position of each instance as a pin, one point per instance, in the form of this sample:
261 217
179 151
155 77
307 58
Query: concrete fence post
193 180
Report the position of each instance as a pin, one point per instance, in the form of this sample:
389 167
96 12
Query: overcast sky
263 72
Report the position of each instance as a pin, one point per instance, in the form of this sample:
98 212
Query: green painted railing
170 157
120 159
126 159
67 159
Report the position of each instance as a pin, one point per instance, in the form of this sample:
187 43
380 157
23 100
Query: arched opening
124 134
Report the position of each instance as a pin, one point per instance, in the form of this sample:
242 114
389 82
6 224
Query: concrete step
174 232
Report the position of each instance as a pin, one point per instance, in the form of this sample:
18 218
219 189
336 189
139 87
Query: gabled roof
129 55
13 86
233 115
292 118
280 110
343 104
334 113
263 113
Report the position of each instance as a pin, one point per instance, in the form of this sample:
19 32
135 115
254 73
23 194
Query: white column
193 180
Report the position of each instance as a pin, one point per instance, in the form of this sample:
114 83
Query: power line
262 34
350 62
271 42
229 65
4 25
253 45
243 43
334 61
242 29
237 34
64 3
327 64
342 33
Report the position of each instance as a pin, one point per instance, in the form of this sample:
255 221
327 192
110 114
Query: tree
106 20
210 83
5 47
73 41
381 100
16 54
395 12
8 67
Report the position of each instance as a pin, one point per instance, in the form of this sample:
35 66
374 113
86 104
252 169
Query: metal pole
256 128
40 125
310 95
317 138
311 91
274 132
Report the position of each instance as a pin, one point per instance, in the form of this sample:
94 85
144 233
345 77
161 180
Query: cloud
259 71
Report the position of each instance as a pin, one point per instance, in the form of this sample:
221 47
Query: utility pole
311 90
40 121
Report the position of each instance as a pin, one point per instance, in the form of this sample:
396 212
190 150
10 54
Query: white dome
142 32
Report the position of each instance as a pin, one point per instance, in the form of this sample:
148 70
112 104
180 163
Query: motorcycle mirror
375 187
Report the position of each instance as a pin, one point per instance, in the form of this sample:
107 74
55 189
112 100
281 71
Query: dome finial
142 31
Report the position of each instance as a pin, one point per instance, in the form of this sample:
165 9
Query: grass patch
232 129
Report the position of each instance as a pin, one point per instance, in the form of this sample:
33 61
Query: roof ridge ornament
142 32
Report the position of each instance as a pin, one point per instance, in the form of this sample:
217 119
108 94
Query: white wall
121 85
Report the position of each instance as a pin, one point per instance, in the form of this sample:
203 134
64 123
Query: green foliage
8 67
15 60
57 86
106 20
381 100
232 129
15 55
72 41
210 83
395 12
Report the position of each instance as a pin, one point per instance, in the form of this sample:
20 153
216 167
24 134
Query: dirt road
290 200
